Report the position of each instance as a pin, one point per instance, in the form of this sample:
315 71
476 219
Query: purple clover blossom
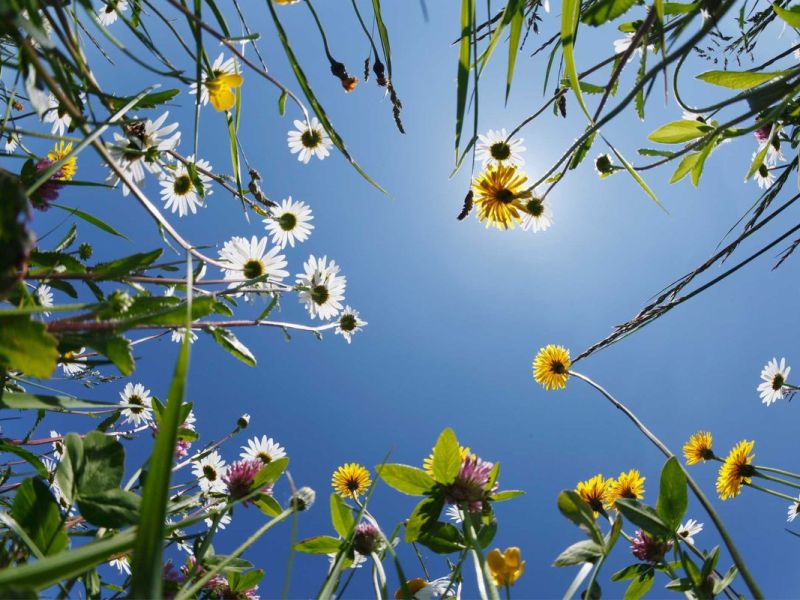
182 448
648 549
762 133
470 484
240 477
367 539
48 192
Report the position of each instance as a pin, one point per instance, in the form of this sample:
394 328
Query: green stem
723 532
778 471
477 553
776 480
771 492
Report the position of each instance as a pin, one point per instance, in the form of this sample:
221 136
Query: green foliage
26 346
446 458
673 497
341 517
643 516
603 11
37 513
738 80
406 479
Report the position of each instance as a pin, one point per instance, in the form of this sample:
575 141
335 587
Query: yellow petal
230 80
222 99
512 558
496 562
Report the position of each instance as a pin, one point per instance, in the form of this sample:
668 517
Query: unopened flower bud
243 421
303 499
367 539
85 251
120 301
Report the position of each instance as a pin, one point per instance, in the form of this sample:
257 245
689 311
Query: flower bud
303 499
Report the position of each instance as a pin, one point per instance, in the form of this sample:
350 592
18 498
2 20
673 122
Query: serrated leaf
125 266
685 166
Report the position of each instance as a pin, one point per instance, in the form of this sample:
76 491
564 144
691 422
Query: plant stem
778 471
771 492
723 532
478 553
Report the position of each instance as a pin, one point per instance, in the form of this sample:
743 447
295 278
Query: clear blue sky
456 312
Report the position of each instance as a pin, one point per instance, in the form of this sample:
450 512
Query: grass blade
570 16
467 15
513 45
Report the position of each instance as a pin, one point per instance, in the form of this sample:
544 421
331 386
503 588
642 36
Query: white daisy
58 445
688 530
349 323
189 422
537 215
265 449
142 411
38 98
59 118
224 521
309 140
179 333
454 513
71 364
220 66
110 10
12 140
290 222
794 509
495 149
209 471
45 297
622 44
178 190
250 259
324 287
122 564
774 378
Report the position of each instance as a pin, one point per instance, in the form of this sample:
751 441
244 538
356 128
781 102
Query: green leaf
578 553
341 516
603 11
113 508
570 15
442 538
321 544
790 15
152 100
514 34
103 464
16 241
462 77
758 157
678 132
673 498
406 479
70 466
640 586
685 166
228 341
631 572
580 153
637 178
37 513
271 472
446 458
282 103
573 507
424 515
739 80
507 495
26 346
268 505
643 516
125 266
697 169
239 581
25 455
719 586
486 533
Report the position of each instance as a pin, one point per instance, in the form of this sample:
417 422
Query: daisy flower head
551 367
621 45
794 510
121 564
773 376
736 470
495 149
349 324
57 116
309 139
763 174
536 215
109 11
179 191
12 140
351 480
698 448
628 485
209 471
248 259
71 362
223 522
593 491
139 397
506 567
264 450
45 297
499 195
688 530
58 446
59 152
290 222
324 288
604 166
179 333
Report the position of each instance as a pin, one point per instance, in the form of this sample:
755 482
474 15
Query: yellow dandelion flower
351 480
698 448
593 491
550 367
427 464
59 151
413 585
736 470
499 192
220 90
628 485
506 567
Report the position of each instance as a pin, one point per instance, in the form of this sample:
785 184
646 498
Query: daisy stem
698 492
778 471
777 480
772 492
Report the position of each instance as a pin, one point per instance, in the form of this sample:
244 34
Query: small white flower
142 411
39 99
178 190
209 471
110 10
495 149
454 513
122 564
290 222
71 365
622 44
224 521
309 139
179 333
58 445
538 216
265 449
688 530
774 378
45 297
794 509
325 287
189 422
221 66
59 118
349 324
250 259
12 140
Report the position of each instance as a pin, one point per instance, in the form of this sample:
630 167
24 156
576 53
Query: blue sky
457 312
